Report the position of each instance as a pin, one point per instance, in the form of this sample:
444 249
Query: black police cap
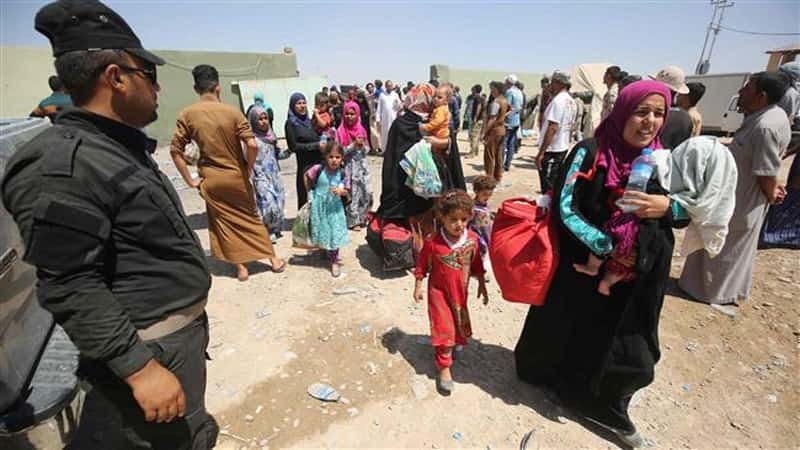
88 25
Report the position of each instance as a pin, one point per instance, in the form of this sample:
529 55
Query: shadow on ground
371 262
675 291
490 368
224 269
476 166
311 258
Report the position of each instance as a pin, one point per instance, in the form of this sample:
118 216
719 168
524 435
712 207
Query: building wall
466 78
23 79
25 72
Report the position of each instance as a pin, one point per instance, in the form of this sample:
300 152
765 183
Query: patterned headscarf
348 134
293 117
420 99
614 153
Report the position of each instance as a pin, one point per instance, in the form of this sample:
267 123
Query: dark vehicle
39 401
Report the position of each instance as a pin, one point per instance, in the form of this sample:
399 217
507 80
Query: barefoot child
481 223
439 123
450 257
619 267
353 137
327 185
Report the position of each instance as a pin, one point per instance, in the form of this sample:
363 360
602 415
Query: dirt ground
726 378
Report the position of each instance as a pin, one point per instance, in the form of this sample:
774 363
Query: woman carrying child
595 350
353 137
450 257
270 195
327 184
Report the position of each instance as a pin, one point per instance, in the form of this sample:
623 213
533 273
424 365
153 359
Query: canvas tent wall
466 78
277 92
589 77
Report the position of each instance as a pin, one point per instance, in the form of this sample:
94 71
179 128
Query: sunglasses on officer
149 72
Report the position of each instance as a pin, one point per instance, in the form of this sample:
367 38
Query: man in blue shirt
53 103
514 97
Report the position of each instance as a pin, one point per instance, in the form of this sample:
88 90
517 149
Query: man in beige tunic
237 234
757 148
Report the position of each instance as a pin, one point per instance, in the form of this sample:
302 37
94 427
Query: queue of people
129 282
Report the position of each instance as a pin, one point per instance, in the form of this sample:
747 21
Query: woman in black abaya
596 351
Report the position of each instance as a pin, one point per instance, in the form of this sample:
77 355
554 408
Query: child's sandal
445 387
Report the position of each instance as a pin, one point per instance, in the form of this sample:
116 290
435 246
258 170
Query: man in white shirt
388 106
554 137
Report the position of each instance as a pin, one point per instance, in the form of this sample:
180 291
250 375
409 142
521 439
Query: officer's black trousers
112 419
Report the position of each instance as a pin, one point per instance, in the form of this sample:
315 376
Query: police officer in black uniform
118 265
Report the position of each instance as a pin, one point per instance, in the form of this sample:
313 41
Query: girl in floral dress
353 137
270 194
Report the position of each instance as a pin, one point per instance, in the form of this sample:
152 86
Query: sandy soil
726 379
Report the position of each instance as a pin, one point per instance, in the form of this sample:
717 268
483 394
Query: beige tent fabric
589 77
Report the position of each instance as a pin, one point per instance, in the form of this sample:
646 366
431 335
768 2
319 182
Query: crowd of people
122 271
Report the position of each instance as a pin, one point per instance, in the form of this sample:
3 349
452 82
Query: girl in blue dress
328 185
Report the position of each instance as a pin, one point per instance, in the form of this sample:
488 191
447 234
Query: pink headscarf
616 156
614 153
346 135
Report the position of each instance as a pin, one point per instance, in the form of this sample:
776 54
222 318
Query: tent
589 77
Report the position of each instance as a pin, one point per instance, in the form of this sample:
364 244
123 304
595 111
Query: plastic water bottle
641 170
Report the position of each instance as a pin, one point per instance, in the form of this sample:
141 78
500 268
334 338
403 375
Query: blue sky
400 40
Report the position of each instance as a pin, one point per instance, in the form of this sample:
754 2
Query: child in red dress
450 257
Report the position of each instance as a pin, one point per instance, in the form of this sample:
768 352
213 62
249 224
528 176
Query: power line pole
714 26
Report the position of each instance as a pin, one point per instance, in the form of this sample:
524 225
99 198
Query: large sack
524 251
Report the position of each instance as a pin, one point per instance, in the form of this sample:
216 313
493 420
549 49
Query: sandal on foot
336 270
280 269
445 387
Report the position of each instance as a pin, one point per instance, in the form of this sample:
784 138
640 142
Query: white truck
718 105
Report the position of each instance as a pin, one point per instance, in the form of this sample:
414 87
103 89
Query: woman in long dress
596 351
303 141
397 201
270 194
355 141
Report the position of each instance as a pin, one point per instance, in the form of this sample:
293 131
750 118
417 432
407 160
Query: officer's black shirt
107 233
